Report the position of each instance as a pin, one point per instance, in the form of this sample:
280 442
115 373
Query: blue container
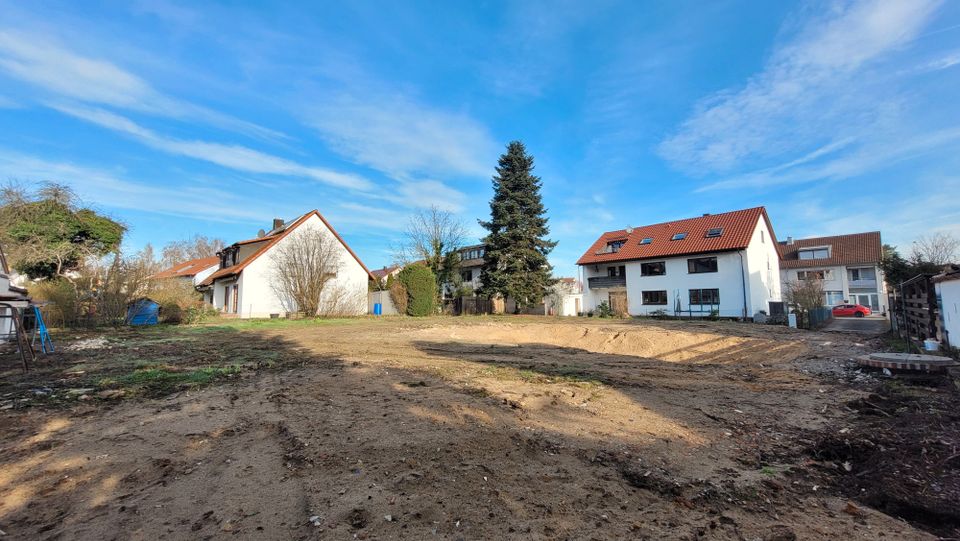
377 309
143 312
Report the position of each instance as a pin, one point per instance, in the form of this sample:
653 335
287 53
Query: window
654 297
467 275
617 271
658 268
701 264
826 274
762 241
834 297
814 253
678 236
615 246
714 232
862 274
704 296
647 240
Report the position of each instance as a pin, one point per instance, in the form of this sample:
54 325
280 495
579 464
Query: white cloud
42 62
7 103
395 135
109 189
235 157
817 85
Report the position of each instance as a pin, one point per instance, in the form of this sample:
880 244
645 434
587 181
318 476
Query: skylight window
678 236
714 232
647 240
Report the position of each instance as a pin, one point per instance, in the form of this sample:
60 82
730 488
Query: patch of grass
161 380
767 470
892 342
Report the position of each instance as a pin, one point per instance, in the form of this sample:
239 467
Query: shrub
421 289
604 310
398 294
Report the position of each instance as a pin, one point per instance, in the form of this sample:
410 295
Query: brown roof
851 249
950 273
188 268
273 239
381 273
738 227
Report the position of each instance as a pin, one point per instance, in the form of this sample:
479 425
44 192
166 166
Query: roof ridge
624 230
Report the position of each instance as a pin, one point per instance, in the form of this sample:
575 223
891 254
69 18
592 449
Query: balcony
863 284
605 282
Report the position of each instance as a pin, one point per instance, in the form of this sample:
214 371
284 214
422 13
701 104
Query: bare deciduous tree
939 249
199 246
805 294
304 264
434 236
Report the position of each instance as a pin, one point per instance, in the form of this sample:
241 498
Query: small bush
421 288
604 310
398 294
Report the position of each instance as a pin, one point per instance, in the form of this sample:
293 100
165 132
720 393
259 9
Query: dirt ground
474 428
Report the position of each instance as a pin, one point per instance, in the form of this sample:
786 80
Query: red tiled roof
844 250
187 268
382 273
273 239
738 227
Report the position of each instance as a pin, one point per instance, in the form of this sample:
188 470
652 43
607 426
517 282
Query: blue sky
181 117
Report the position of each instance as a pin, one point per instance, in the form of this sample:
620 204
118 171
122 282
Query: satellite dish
261 233
629 230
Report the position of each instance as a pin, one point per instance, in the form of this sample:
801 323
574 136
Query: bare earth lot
473 428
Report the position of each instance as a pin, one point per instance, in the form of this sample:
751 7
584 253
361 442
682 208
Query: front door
618 302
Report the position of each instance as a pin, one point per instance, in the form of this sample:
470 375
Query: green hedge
421 289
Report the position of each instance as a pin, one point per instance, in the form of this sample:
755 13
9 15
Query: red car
848 310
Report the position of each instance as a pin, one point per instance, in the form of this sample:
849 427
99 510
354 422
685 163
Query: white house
244 285
723 264
947 287
848 265
195 270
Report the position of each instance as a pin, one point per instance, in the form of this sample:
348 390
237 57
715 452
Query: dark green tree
897 269
516 246
421 286
47 233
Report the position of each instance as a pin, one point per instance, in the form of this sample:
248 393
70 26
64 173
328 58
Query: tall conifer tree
516 246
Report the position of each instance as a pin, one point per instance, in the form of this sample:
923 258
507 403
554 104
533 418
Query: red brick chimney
277 223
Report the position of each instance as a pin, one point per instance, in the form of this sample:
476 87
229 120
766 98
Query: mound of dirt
645 342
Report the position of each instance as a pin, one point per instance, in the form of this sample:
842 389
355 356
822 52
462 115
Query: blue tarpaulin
143 312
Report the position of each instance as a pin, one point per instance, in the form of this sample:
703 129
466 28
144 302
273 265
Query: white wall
258 299
839 280
948 294
202 275
762 265
676 281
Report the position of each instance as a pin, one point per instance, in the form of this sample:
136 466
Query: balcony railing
602 282
864 284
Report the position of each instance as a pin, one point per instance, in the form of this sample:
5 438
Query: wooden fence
913 305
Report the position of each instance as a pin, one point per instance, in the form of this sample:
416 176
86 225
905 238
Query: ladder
46 344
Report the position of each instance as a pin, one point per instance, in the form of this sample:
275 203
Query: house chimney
789 241
277 223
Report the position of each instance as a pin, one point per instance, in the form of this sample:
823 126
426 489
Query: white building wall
677 282
948 296
202 275
762 267
839 280
258 298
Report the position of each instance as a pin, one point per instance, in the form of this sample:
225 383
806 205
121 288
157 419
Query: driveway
862 325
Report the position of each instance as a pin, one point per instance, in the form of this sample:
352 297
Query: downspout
743 279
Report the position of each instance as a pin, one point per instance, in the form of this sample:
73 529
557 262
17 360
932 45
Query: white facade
948 299
204 273
252 294
746 281
854 284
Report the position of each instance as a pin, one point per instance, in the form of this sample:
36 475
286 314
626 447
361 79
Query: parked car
850 310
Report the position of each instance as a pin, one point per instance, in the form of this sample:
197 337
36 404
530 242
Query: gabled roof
738 227
950 273
274 237
188 268
384 272
857 248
